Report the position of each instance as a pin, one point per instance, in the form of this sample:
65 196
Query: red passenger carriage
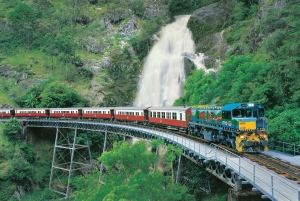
5 112
31 112
100 112
64 112
138 114
171 117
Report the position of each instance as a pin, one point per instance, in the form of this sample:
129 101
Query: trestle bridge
227 166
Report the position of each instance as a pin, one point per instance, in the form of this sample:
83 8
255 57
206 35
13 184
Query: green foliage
177 6
19 170
7 188
239 12
242 78
32 97
22 20
183 6
27 152
141 43
63 47
138 7
58 95
157 142
201 29
42 195
129 176
12 129
285 126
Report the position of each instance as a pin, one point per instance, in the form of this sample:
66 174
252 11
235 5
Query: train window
154 114
238 113
163 115
261 112
248 113
107 112
142 113
168 115
158 114
226 115
174 115
150 115
180 116
255 113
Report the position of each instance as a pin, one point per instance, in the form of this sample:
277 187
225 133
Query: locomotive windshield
240 113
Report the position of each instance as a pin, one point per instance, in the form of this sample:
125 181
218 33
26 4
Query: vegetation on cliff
67 53
263 65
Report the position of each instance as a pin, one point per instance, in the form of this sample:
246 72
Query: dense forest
73 53
262 66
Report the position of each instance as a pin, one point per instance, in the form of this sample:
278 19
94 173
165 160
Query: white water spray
163 71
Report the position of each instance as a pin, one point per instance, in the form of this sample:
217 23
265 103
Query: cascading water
163 71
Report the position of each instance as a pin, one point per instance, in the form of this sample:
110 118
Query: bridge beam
68 156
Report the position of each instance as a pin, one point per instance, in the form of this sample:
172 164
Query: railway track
283 168
278 166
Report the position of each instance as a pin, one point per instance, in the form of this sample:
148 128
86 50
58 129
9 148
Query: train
241 126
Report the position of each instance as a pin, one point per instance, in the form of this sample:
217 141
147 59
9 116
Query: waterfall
163 70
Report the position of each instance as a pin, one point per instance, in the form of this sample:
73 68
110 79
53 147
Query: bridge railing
272 185
284 147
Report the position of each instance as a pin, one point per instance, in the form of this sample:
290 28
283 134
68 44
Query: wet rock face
214 46
216 13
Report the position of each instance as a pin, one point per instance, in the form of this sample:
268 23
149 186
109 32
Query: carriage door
180 119
112 114
146 117
80 113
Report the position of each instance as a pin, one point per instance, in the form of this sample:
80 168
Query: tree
58 95
20 170
130 176
22 20
12 129
285 126
138 7
32 97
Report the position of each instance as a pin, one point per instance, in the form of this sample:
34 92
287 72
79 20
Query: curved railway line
283 168
280 167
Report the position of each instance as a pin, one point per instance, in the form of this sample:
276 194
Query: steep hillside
258 47
95 47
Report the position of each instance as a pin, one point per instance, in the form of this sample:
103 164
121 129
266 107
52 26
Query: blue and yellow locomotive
242 126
